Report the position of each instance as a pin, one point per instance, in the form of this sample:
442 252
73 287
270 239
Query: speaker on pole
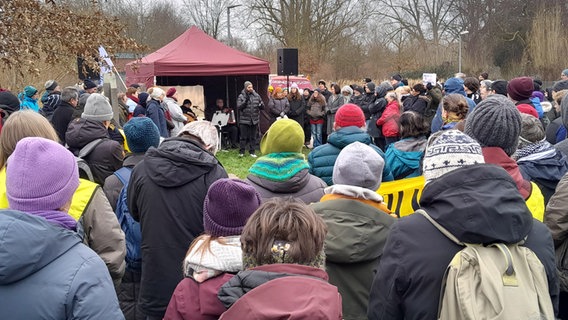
287 62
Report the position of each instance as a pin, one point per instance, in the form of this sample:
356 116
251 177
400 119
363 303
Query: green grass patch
240 166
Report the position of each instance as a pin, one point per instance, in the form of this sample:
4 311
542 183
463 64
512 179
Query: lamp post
229 22
460 51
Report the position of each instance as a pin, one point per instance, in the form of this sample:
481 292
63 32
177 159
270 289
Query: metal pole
229 24
460 55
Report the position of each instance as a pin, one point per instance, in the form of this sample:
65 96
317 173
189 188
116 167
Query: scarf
59 218
133 98
281 166
204 263
543 147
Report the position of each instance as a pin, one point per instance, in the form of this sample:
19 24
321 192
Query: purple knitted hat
40 175
228 205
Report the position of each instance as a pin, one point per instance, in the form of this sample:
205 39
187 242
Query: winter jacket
47 273
99 227
280 291
556 215
367 102
315 109
418 104
405 157
322 159
50 105
197 301
165 194
105 158
303 186
529 190
477 204
389 120
278 108
556 131
377 110
249 105
61 117
29 104
196 298
356 235
177 115
155 112
334 103
545 169
140 109
297 111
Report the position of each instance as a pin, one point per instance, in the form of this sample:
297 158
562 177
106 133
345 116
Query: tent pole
227 91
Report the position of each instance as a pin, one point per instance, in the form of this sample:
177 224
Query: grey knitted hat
248 83
97 108
531 129
359 165
495 122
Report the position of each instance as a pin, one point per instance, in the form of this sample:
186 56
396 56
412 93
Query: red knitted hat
350 115
171 91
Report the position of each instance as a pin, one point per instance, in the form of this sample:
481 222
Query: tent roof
194 53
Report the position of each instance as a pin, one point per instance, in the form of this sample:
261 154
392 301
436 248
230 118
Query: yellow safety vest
81 198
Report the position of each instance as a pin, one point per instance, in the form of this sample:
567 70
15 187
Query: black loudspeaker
85 72
287 62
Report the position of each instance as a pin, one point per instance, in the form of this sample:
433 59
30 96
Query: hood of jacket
292 185
81 131
29 243
178 161
355 225
546 171
478 204
345 136
454 85
409 152
249 279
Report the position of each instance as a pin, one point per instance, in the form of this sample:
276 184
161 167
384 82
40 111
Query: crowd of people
138 219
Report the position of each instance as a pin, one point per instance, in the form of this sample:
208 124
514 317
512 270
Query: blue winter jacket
405 157
154 111
546 171
47 273
322 159
452 85
29 104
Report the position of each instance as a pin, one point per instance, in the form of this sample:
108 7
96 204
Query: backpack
84 169
131 228
497 281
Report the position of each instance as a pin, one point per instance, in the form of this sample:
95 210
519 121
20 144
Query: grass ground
240 166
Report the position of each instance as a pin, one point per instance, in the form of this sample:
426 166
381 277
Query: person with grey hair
538 160
485 89
155 111
63 113
165 194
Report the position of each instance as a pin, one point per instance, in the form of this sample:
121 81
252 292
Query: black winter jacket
249 105
61 118
166 194
107 156
478 204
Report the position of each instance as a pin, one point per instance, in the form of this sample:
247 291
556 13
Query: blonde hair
22 124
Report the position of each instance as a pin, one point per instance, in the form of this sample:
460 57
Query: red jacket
197 301
291 292
389 120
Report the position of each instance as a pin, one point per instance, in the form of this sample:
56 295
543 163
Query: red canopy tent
194 58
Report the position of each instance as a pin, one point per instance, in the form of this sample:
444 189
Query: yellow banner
402 196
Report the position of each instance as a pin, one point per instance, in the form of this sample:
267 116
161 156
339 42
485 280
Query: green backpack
497 281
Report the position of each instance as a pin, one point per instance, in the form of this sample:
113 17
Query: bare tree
313 26
208 15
